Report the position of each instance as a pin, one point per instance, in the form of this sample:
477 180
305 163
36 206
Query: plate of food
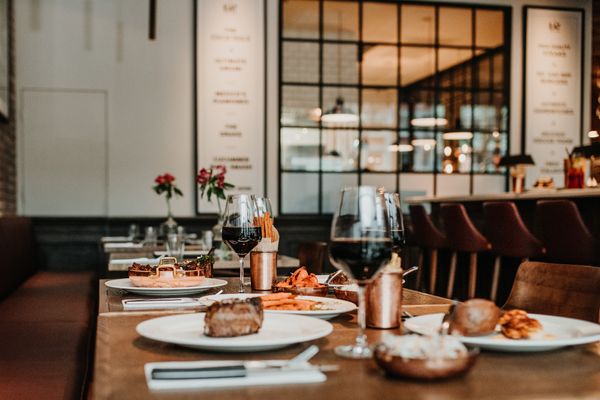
480 324
303 283
288 303
234 325
127 285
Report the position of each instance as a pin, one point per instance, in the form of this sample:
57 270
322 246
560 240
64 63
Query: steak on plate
234 317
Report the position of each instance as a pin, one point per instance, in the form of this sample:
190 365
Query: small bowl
320 291
422 369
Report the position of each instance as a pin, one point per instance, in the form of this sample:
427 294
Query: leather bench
46 321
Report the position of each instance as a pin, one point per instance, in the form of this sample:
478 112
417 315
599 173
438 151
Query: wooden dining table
121 353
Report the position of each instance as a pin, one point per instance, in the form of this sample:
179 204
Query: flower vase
217 242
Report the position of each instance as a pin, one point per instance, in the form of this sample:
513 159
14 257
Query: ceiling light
448 168
400 148
593 134
339 115
447 151
427 144
428 122
457 135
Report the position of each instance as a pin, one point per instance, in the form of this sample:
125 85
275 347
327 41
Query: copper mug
263 269
384 301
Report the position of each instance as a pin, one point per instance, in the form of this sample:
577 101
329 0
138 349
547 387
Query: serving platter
125 284
556 332
277 331
330 307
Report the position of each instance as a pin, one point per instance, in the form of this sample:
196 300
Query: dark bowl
348 295
320 291
415 368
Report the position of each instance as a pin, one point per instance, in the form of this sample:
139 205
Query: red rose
222 169
168 178
220 181
203 176
159 180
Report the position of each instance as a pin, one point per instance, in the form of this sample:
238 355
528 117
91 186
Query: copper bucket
263 269
384 301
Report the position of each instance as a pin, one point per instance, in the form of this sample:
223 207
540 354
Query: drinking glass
134 231
175 246
394 210
241 230
360 246
150 236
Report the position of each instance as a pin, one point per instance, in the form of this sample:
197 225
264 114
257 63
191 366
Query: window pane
454 156
457 64
300 62
418 24
484 72
332 187
457 109
300 105
379 108
489 28
455 26
340 150
305 201
349 96
300 149
378 151
301 18
387 181
340 20
340 63
380 23
423 152
498 76
419 111
487 151
380 65
416 65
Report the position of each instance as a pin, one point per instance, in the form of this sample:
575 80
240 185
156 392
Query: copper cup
384 301
263 269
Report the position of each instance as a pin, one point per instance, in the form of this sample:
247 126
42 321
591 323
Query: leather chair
312 256
564 234
557 289
509 237
462 236
427 237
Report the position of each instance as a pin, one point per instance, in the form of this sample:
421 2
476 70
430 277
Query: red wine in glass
360 258
241 240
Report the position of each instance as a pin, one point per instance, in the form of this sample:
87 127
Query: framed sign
4 62
552 87
230 92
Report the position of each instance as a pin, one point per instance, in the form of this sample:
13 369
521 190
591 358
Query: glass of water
175 246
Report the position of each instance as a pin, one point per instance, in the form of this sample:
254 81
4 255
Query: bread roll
475 317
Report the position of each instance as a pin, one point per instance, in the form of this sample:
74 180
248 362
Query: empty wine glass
394 209
360 246
241 230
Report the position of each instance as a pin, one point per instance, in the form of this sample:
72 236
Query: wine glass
360 246
394 209
241 230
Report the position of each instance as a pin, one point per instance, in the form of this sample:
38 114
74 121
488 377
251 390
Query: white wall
102 45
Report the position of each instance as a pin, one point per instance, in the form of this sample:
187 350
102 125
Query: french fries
266 226
300 278
286 302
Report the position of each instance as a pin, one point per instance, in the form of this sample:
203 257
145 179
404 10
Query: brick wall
596 66
8 185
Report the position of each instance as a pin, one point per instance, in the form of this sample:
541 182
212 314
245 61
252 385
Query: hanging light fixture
338 115
428 122
458 135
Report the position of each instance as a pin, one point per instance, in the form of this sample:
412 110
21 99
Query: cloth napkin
275 377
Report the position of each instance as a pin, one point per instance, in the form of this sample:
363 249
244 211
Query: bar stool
509 237
564 234
463 236
427 237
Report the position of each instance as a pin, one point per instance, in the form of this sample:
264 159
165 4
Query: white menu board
230 92
553 89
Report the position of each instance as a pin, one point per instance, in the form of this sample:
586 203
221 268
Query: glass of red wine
360 246
241 230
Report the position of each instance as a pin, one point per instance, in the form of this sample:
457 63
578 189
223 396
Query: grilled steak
234 317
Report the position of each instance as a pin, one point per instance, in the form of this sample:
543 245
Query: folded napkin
272 377
141 260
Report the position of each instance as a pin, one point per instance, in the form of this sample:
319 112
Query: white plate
125 284
331 307
556 332
189 253
278 330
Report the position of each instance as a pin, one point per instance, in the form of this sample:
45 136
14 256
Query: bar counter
534 194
